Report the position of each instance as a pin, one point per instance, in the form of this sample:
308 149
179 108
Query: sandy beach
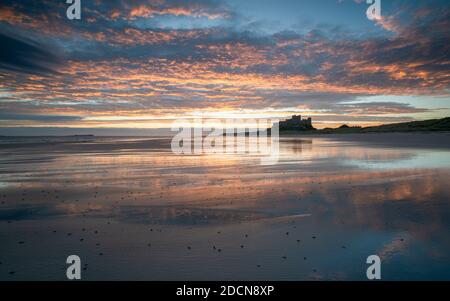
133 210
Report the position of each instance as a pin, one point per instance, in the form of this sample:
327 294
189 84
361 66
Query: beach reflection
317 214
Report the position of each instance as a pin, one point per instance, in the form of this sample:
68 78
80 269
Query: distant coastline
432 125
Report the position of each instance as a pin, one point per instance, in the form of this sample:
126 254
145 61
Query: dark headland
297 125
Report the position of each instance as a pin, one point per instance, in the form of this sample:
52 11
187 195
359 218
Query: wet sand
132 210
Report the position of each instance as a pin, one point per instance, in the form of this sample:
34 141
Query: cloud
208 9
116 64
25 56
380 108
44 118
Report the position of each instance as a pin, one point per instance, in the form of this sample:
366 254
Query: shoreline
425 140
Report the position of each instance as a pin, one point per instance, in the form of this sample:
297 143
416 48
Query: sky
145 63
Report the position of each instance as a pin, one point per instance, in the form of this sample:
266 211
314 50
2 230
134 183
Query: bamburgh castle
296 123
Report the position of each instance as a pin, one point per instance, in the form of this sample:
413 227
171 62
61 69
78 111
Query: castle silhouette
296 123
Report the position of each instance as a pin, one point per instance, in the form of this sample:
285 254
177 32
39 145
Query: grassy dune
432 125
